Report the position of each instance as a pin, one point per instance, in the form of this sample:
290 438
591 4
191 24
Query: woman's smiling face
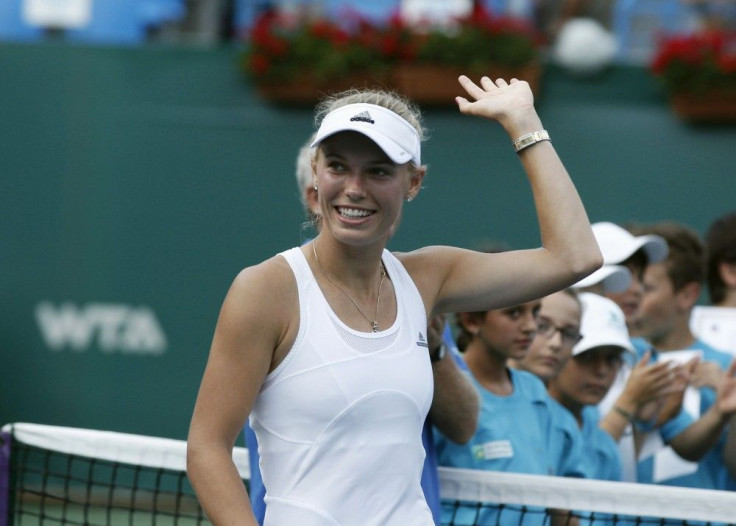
360 190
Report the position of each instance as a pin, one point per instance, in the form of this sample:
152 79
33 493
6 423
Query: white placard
715 326
64 14
667 463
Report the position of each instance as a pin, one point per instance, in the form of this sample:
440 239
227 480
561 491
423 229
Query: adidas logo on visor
363 116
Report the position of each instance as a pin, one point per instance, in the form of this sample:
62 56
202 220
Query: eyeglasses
547 329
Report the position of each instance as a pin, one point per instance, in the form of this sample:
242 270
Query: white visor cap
603 324
613 278
617 244
398 139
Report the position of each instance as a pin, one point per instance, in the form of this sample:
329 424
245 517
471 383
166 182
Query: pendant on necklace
374 324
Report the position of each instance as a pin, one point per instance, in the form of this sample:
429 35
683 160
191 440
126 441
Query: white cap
603 323
614 278
617 245
393 134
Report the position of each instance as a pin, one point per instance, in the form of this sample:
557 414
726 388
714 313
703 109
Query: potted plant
297 58
698 72
479 44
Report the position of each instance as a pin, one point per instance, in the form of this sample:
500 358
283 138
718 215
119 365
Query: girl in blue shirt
509 399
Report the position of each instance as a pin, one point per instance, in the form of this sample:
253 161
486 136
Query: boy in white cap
623 253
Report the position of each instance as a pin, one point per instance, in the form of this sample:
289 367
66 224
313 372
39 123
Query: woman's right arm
252 332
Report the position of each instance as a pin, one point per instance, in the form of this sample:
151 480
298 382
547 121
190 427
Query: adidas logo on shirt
421 342
363 116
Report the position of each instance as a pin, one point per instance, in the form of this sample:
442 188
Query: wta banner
109 327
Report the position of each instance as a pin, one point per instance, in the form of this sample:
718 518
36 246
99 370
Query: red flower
692 49
390 45
259 64
697 62
263 28
283 46
327 31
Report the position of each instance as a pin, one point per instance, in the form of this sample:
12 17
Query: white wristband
528 139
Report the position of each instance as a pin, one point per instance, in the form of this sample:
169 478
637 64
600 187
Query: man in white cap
625 259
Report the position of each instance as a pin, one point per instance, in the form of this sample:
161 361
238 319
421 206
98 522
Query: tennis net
53 475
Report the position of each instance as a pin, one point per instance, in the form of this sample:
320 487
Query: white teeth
353 213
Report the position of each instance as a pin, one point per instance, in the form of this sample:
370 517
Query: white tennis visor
398 139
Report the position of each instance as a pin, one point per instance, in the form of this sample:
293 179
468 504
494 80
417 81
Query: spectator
716 323
671 290
721 254
558 330
620 247
549 444
626 256
586 378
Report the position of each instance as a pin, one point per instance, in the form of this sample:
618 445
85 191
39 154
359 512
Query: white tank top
339 421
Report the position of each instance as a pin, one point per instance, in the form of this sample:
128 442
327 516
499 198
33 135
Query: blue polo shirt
516 433
601 451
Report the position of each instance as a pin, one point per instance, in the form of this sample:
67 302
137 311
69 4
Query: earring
409 198
315 188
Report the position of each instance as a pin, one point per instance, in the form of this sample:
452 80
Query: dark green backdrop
135 183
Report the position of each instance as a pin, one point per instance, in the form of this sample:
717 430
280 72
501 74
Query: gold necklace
374 321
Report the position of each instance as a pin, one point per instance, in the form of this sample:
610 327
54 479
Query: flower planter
712 106
306 90
282 46
431 84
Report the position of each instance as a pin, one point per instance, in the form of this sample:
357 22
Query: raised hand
499 100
